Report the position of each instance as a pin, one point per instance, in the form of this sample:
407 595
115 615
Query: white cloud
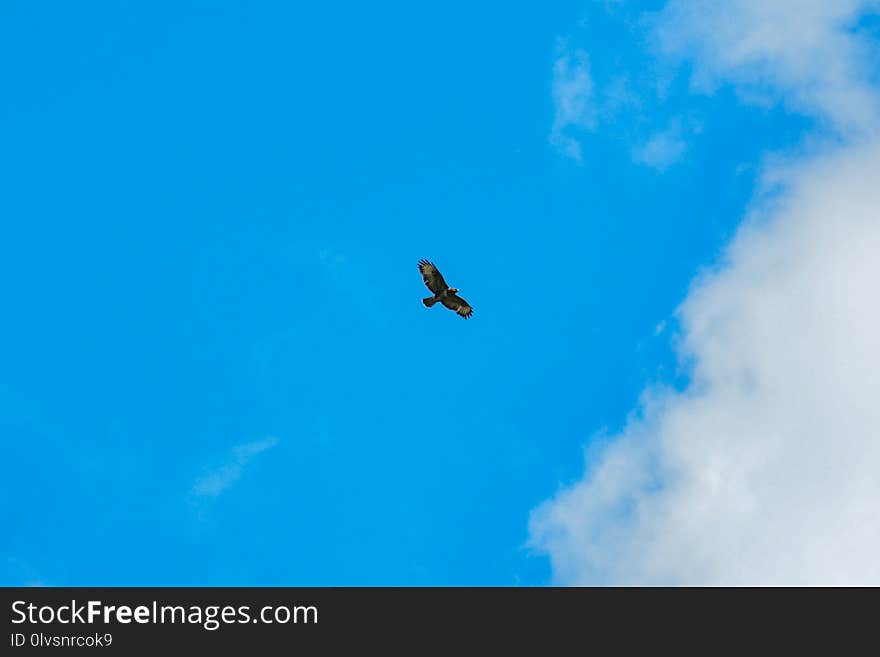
573 102
764 470
216 481
803 51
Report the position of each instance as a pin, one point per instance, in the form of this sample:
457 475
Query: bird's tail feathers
429 301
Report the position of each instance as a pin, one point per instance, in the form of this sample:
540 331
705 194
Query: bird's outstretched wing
431 275
459 305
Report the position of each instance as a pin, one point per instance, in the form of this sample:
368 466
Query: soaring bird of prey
442 292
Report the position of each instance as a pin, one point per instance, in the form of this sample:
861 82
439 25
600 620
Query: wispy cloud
573 101
582 104
214 482
662 149
20 572
764 470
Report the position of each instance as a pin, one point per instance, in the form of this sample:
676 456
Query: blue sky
215 366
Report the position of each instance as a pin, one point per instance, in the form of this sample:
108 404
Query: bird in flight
446 295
